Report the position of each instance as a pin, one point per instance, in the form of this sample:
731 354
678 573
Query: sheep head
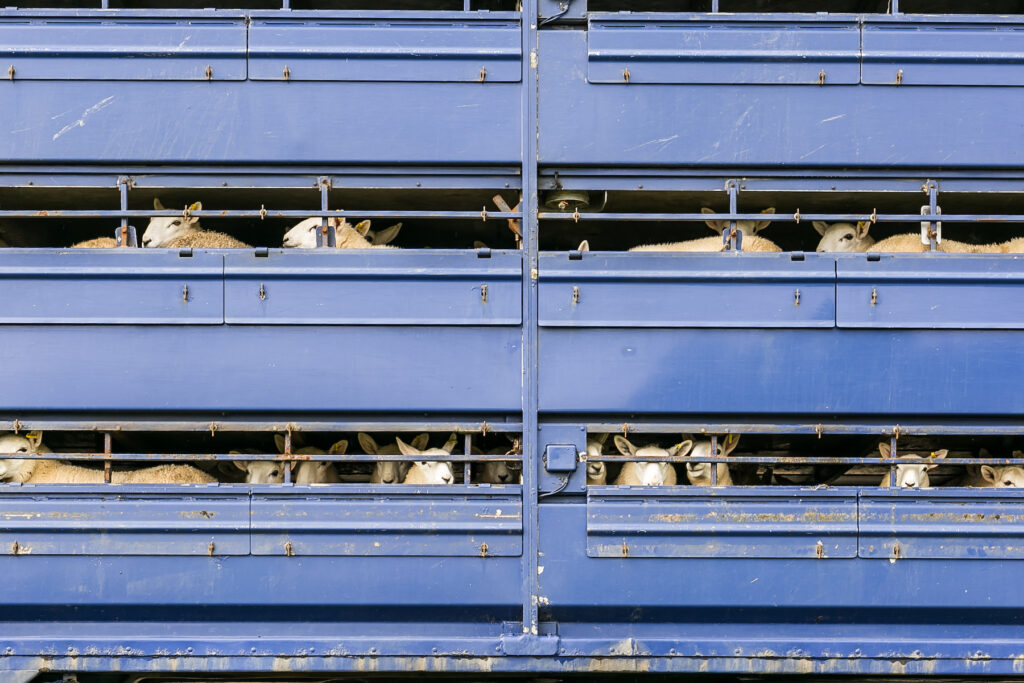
161 231
699 473
911 475
748 228
846 237
429 471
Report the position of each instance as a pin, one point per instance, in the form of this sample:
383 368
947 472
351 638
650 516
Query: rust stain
196 514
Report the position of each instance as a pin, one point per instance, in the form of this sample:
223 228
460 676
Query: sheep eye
22 450
848 237
1007 483
178 222
274 473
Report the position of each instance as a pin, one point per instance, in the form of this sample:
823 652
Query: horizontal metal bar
247 213
25 425
992 427
777 217
294 457
800 460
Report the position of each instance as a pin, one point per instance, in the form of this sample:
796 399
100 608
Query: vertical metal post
714 5
531 512
892 466
106 461
123 185
933 208
467 466
286 4
714 465
732 238
325 236
895 9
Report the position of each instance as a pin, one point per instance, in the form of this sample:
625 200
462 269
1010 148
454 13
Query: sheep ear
862 229
821 227
939 455
885 450
362 227
367 443
386 235
157 204
584 246
35 439
477 244
761 225
988 474
404 448
279 442
717 226
242 465
681 448
601 438
730 444
420 441
624 446
449 445
338 447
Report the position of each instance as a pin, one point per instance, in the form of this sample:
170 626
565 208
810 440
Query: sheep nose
503 477
446 479
389 480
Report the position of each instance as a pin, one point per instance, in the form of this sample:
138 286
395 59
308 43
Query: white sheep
389 472
910 476
305 472
751 241
656 473
39 471
429 471
303 235
844 237
597 472
910 243
699 473
381 237
989 476
180 232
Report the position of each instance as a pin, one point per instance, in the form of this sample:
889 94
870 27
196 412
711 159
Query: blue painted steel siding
771 126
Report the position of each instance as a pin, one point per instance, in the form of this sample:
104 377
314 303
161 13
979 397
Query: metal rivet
483 550
575 294
483 293
821 77
209 549
288 551
874 296
625 75
263 292
15 548
184 293
796 298
483 74
899 77
287 73
209 72
10 72
819 550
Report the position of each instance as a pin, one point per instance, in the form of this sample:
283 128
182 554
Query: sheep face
385 472
1008 477
318 472
303 235
699 473
748 228
389 472
844 236
497 473
597 474
14 443
160 231
261 471
910 476
429 472
657 473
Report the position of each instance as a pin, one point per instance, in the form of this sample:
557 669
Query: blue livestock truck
496 437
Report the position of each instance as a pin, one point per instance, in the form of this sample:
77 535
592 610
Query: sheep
496 471
303 235
751 241
699 473
911 243
910 476
658 473
39 471
96 243
597 472
844 237
305 472
387 472
382 237
1014 246
988 476
176 233
429 471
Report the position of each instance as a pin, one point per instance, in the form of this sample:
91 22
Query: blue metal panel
782 128
918 51
287 369
782 372
123 520
376 286
932 291
255 122
384 520
111 286
628 522
470 50
115 48
937 524
686 290
719 50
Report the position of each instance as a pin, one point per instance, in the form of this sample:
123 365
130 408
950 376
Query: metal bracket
732 238
325 236
560 458
125 234
516 643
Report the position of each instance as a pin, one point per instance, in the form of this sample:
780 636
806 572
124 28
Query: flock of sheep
422 472
186 231
911 474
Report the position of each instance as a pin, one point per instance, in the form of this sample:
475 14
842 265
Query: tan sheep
910 243
429 472
1014 246
206 239
388 472
653 473
96 243
751 241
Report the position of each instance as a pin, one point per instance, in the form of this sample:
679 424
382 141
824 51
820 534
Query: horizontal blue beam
259 213
779 217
